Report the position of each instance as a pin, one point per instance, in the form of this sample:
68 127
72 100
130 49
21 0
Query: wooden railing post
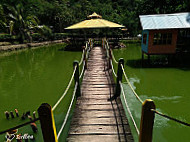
85 59
147 121
110 57
76 77
119 77
47 123
102 43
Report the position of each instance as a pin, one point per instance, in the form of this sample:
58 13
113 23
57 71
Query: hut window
144 38
162 38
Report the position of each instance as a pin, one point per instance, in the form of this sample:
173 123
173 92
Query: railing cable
83 70
113 57
113 69
136 95
68 111
130 114
19 126
170 118
68 86
81 60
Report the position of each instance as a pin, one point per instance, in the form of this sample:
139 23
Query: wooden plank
95 117
96 85
97 114
92 138
107 90
101 138
99 121
106 106
95 129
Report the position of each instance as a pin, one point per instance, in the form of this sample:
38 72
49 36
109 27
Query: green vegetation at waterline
34 76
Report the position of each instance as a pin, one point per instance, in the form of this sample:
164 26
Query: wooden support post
110 58
102 43
148 59
142 59
76 76
47 123
147 121
119 77
110 53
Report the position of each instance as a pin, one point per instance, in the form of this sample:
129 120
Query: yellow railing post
47 123
147 121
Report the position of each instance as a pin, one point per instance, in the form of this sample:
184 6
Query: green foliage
59 14
54 36
7 38
37 37
59 36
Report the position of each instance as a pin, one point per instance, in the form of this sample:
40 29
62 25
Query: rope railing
82 61
136 95
65 92
148 106
83 70
130 114
83 52
82 58
45 111
153 110
68 111
113 69
113 57
170 118
19 126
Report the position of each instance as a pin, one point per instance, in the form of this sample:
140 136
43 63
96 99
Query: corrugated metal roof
165 21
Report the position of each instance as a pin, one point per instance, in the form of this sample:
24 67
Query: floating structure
164 33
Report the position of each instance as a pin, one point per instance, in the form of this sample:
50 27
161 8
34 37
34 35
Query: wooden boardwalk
95 118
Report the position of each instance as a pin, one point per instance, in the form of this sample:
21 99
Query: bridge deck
95 118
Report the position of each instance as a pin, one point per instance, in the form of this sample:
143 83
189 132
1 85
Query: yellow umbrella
94 21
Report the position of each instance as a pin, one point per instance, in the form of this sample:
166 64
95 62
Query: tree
18 23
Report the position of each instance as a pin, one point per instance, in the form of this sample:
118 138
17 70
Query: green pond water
34 76
31 77
169 87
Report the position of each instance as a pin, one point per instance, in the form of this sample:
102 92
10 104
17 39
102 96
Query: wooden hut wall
162 41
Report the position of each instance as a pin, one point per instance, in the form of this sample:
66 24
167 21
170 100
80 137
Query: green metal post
119 77
47 123
76 76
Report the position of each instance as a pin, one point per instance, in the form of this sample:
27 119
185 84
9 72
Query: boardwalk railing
45 111
148 106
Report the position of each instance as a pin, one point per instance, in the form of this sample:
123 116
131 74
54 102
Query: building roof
165 21
94 15
94 21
